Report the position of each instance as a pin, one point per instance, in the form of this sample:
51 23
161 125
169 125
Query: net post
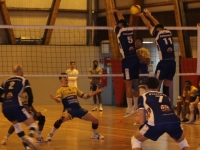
198 49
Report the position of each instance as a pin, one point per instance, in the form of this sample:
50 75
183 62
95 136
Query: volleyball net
77 43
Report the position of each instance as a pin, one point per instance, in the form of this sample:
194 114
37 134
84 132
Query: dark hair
152 82
63 73
95 61
159 26
188 81
125 24
141 39
72 62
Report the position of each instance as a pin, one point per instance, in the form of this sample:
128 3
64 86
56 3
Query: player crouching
72 109
160 118
37 116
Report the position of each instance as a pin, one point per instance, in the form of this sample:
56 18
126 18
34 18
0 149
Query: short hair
17 68
159 26
152 83
123 21
72 62
139 38
188 81
95 61
63 73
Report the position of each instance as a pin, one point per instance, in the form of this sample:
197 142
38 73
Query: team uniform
70 101
190 94
166 68
95 81
130 62
160 116
12 106
143 70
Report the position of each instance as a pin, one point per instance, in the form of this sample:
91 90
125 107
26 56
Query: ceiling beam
114 47
6 21
151 5
183 36
97 10
51 21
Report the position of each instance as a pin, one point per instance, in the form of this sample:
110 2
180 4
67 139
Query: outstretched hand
58 100
146 12
53 97
98 90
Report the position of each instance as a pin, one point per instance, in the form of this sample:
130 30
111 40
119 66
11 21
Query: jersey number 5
11 85
130 39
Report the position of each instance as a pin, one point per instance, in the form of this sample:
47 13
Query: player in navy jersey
156 117
166 68
12 107
130 62
71 107
35 114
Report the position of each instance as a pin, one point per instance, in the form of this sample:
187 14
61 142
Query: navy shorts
76 112
130 68
16 113
154 132
142 80
166 69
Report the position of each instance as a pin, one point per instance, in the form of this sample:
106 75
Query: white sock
191 117
53 131
135 100
187 116
95 131
129 103
39 133
142 91
8 135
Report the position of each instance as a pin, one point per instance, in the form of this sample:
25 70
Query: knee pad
135 85
135 143
191 106
58 123
94 126
183 144
41 120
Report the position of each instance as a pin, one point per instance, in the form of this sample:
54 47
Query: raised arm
57 99
148 14
112 17
145 21
86 96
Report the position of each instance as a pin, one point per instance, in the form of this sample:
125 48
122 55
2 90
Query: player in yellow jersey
71 107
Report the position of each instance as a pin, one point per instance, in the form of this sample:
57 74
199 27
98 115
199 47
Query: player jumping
166 68
130 62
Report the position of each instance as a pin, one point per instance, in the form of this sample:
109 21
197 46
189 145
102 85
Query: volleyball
135 9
